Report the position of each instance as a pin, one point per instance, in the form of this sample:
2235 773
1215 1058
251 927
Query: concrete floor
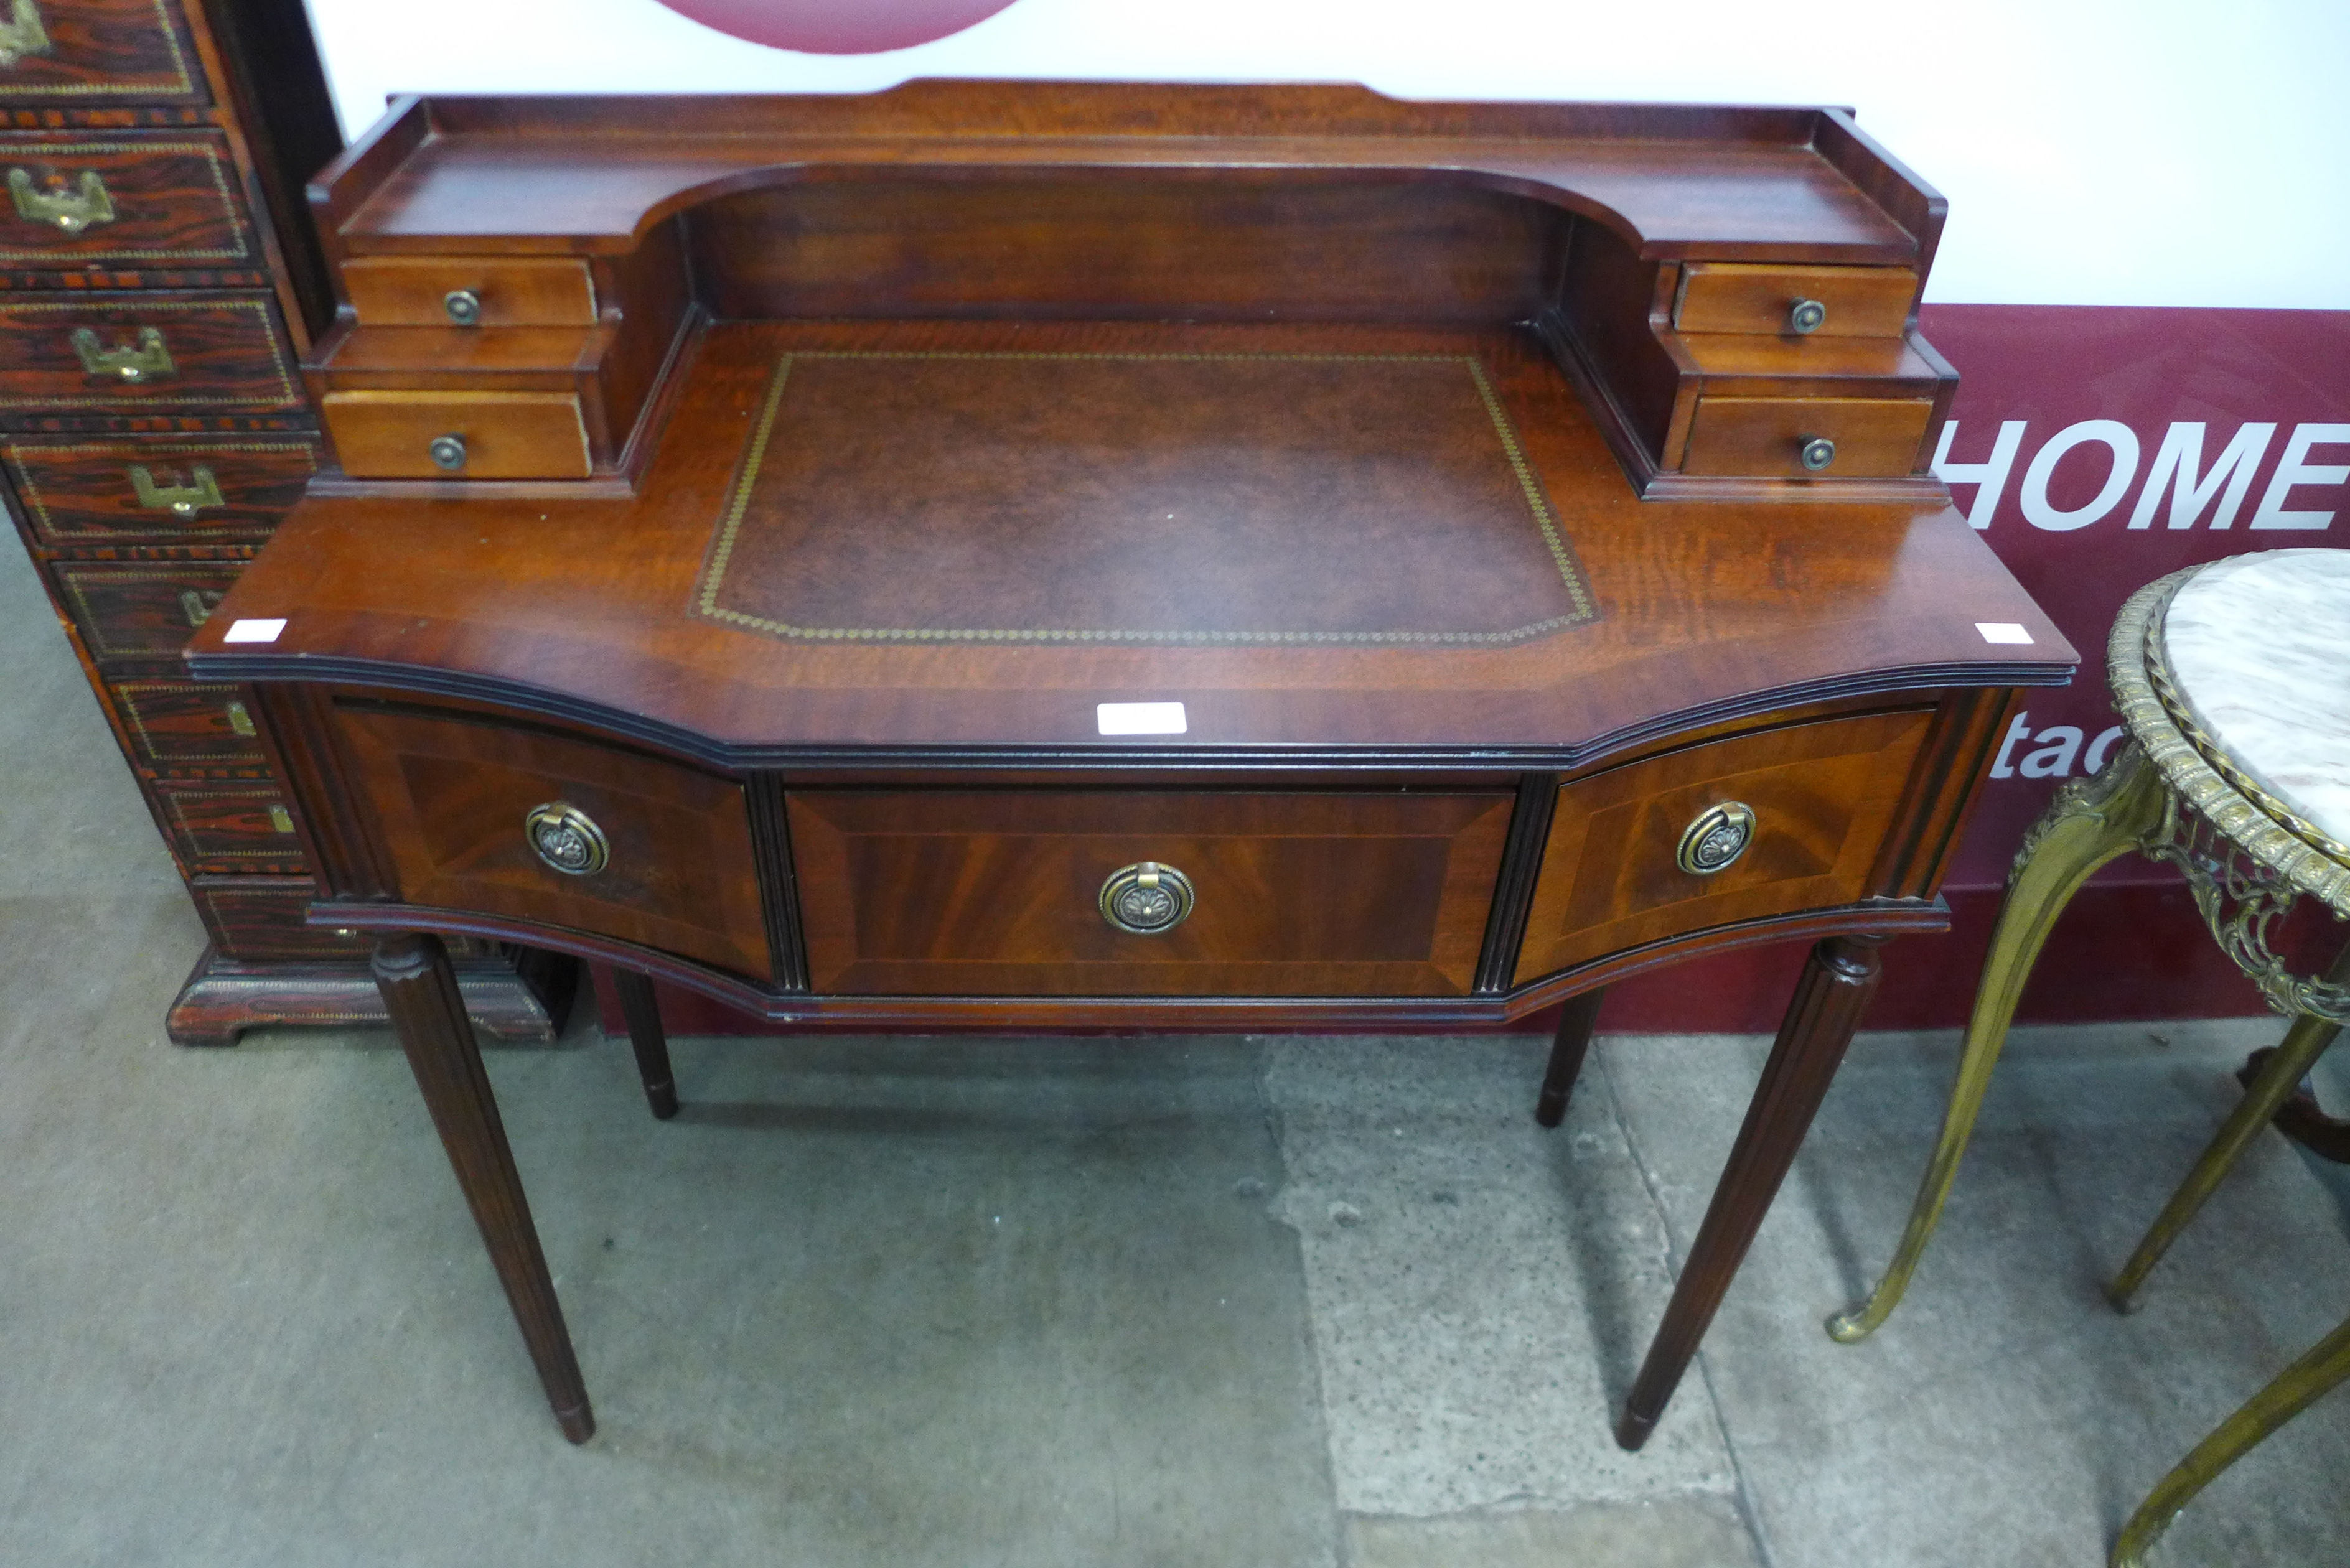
1209 1300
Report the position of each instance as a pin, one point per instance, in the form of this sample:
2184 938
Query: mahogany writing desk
1110 556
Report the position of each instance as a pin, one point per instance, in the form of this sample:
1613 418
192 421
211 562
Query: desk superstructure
1033 555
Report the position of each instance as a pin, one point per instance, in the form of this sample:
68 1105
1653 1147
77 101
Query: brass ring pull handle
1146 898
464 306
70 210
1817 452
22 33
567 838
180 500
448 453
1806 316
145 360
1716 839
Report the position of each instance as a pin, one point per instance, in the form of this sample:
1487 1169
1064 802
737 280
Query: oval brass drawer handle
1146 898
70 210
1716 839
22 33
144 360
567 838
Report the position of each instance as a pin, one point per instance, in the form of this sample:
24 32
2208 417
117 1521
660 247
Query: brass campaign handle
180 500
22 33
71 210
145 360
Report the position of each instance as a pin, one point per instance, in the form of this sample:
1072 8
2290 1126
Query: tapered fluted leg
1836 983
419 989
1567 1049
649 1041
2295 1389
2082 830
2302 1045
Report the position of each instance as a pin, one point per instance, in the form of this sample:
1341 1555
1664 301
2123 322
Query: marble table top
2258 646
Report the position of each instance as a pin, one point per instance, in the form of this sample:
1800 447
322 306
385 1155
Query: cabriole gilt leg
2295 1389
649 1040
411 969
1837 981
1567 1049
2089 823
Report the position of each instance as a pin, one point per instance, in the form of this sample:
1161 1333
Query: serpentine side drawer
1002 893
670 865
1821 795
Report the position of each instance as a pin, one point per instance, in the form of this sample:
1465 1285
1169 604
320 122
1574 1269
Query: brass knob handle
1146 898
22 33
71 210
567 838
1817 452
1716 839
448 453
464 306
145 360
1806 316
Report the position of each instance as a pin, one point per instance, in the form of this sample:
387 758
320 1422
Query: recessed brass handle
448 453
180 500
70 210
1716 839
198 604
1146 898
146 360
240 721
1806 316
280 819
567 838
464 306
22 33
1815 453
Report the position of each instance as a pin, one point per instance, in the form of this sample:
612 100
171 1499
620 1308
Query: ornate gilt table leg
2296 1388
1567 1049
419 989
2089 823
1837 981
649 1041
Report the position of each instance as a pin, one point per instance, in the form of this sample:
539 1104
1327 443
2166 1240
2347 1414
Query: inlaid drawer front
176 723
563 832
1796 301
1116 893
263 917
1765 824
1824 438
149 351
91 491
458 435
230 827
64 53
470 291
144 610
91 201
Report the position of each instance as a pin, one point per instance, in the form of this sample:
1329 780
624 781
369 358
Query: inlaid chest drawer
230 827
68 53
101 201
561 831
1127 893
104 492
1770 822
182 723
135 353
142 610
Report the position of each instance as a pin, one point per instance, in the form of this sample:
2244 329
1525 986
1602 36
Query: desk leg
1567 1049
1837 981
419 989
649 1039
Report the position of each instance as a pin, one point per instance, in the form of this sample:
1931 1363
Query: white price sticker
254 631
1140 718
2002 631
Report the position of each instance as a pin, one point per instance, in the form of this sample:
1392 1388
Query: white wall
2093 152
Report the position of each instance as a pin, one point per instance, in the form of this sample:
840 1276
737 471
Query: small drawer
258 918
77 201
63 53
477 814
230 827
140 611
1756 296
98 491
470 291
1629 849
500 435
178 724
156 351
1870 437
988 893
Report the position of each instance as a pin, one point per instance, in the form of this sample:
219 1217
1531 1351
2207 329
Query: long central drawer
1012 893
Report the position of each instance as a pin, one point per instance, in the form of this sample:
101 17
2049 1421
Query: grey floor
1213 1301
